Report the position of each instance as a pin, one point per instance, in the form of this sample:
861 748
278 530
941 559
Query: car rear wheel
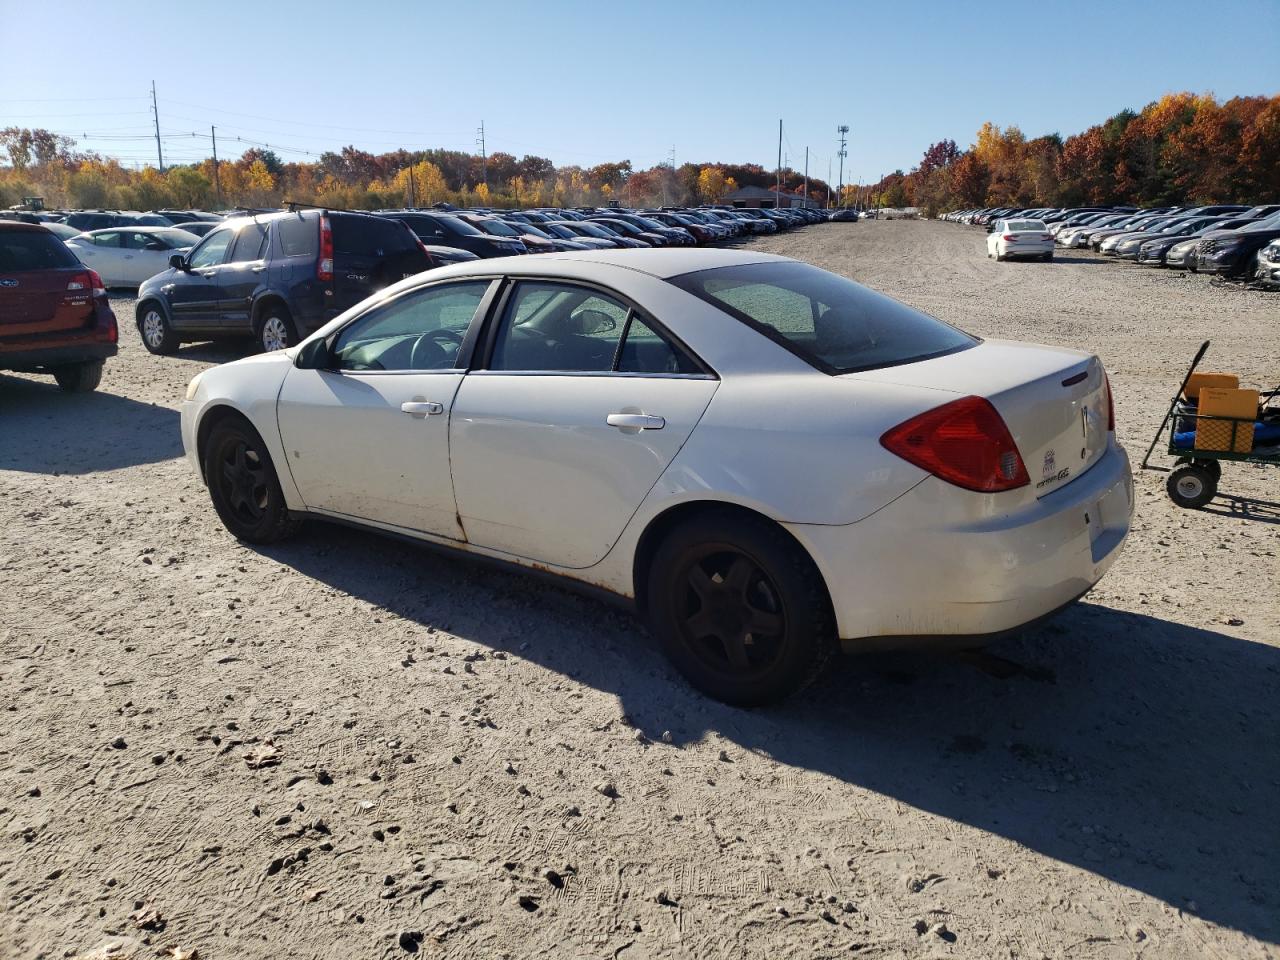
157 334
1191 486
1047 258
740 609
243 485
79 377
276 330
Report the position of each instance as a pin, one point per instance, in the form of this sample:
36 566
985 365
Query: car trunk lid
40 302
1053 401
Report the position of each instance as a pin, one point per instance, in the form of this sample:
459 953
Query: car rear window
1025 226
33 250
369 236
299 236
833 323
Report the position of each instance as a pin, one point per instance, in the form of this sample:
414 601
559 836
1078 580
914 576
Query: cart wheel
1191 486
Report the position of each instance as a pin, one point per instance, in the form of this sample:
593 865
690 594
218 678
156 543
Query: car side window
557 327
112 239
212 250
421 330
250 242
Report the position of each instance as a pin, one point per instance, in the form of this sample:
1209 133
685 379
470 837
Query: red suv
54 314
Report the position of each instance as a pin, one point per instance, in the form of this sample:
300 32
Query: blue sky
586 82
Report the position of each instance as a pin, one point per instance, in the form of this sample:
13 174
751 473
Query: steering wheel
427 354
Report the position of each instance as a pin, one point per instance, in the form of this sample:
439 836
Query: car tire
715 577
999 256
79 377
243 485
1191 486
1047 258
275 329
157 334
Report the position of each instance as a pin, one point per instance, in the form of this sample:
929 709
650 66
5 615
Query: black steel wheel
243 484
740 608
1191 486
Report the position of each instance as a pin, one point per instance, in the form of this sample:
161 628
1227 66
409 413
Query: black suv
446 230
275 276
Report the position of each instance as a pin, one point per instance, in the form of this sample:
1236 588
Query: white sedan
126 256
770 461
1020 238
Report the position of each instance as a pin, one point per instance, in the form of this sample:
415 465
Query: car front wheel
740 609
243 485
157 335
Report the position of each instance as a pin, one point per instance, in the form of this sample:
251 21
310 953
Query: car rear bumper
920 572
33 359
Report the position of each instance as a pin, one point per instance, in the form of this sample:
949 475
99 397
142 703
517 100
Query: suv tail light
96 284
1111 406
324 266
964 442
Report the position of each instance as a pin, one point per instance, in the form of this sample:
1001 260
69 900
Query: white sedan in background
126 256
1020 238
770 461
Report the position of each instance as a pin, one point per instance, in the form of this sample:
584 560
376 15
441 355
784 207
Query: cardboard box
1197 381
1224 402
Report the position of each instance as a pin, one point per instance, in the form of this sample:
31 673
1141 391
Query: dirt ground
349 747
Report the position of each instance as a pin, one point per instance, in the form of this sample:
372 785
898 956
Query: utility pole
156 113
806 176
828 183
777 190
484 158
843 129
217 181
413 190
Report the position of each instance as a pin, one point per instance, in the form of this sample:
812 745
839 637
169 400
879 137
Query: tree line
1183 148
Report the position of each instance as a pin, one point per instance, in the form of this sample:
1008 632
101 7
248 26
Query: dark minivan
54 314
275 276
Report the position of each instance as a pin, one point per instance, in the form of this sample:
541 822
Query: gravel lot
350 747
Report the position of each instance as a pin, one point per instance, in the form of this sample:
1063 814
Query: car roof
22 226
132 228
662 263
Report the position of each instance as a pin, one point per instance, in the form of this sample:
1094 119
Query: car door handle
259 268
208 274
422 408
635 421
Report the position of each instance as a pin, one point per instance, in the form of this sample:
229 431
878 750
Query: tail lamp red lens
324 266
964 442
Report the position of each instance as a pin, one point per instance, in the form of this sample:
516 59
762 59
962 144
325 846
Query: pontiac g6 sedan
769 460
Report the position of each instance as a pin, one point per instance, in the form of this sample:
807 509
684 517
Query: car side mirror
314 355
178 262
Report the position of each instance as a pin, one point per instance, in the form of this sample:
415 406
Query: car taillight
964 442
1111 406
96 284
1010 237
80 283
324 266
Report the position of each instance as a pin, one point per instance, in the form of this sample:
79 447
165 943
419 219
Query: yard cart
1211 423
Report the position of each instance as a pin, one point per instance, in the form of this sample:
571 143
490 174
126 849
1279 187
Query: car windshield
621 226
497 228
833 323
33 250
1027 226
176 238
530 229
594 230
449 223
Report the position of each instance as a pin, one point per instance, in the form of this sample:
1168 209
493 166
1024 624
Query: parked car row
276 276
1231 240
